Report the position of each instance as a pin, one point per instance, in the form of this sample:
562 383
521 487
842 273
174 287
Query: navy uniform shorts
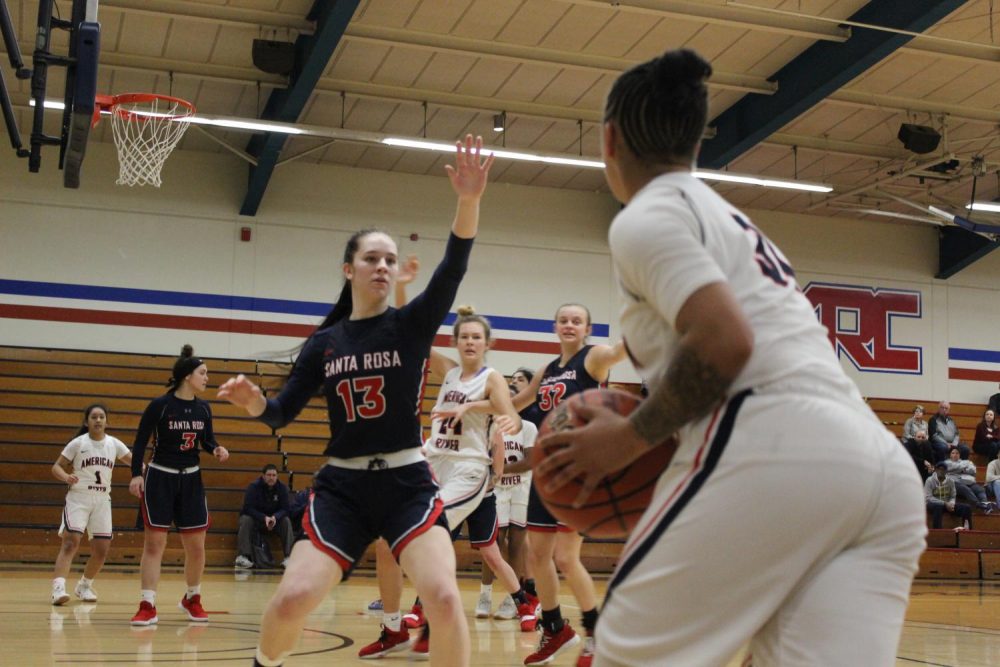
539 518
482 523
176 497
348 509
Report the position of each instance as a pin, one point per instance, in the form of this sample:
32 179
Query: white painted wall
537 248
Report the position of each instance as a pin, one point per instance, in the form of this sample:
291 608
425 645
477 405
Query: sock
192 591
519 596
392 621
590 621
59 581
148 596
85 581
486 588
263 661
552 620
529 586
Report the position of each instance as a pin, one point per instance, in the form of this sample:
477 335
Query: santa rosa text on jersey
369 361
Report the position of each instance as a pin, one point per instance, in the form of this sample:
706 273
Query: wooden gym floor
949 624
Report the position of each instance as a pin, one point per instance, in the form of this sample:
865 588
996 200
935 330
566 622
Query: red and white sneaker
192 607
526 612
146 614
586 657
415 618
421 649
551 646
388 642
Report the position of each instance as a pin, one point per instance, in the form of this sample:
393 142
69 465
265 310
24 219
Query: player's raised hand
470 173
408 270
244 393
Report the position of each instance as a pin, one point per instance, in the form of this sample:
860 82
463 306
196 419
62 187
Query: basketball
616 504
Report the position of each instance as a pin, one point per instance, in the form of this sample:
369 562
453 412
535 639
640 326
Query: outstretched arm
468 179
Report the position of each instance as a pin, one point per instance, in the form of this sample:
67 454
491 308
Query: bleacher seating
43 393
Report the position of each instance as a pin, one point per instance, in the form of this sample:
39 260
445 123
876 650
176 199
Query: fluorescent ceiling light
49 104
992 207
448 147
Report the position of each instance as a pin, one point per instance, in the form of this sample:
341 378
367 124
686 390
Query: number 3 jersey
179 428
676 236
93 461
466 439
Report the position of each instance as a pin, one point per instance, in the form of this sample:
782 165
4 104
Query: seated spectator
993 479
939 494
917 442
994 403
265 510
987 440
944 434
963 474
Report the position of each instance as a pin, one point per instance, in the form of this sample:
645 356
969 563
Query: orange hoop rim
112 104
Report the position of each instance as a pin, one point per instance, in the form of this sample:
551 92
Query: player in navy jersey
551 545
171 492
369 360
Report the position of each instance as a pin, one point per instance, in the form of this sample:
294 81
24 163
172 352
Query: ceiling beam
817 73
240 17
285 104
881 102
837 146
716 13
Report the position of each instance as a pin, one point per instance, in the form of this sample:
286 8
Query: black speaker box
273 57
918 138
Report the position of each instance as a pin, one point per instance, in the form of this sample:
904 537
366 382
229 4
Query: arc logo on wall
859 319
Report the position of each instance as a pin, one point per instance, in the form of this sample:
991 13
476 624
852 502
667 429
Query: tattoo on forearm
688 391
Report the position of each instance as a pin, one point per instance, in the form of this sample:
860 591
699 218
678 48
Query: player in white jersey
90 456
738 366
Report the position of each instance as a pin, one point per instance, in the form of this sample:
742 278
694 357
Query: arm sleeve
909 429
120 449
981 434
952 492
70 450
282 502
303 381
209 444
660 257
929 493
428 310
250 503
146 426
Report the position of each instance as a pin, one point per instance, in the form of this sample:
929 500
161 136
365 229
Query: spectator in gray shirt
963 474
944 434
939 493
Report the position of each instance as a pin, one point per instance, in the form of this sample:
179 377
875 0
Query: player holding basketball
369 359
580 366
739 367
91 456
172 491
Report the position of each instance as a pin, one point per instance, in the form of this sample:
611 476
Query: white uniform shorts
87 511
795 522
512 501
463 485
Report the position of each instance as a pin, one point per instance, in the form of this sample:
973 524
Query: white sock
267 662
392 621
486 588
148 596
192 591
85 581
59 581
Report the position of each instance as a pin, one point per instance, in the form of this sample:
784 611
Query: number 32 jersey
560 382
93 461
676 236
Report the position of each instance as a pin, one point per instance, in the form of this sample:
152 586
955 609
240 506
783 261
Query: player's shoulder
77 442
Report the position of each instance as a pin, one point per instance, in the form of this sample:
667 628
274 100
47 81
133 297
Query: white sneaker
85 592
484 606
59 596
507 609
243 563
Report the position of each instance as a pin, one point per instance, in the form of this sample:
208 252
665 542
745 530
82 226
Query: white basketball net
145 133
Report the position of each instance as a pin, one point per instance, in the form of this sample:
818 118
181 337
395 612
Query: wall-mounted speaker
273 57
919 138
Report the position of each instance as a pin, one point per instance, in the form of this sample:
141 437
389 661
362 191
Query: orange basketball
619 500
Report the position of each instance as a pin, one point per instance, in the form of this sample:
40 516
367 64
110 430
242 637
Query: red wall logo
858 320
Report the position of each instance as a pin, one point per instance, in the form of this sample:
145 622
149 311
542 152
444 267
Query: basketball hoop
146 128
